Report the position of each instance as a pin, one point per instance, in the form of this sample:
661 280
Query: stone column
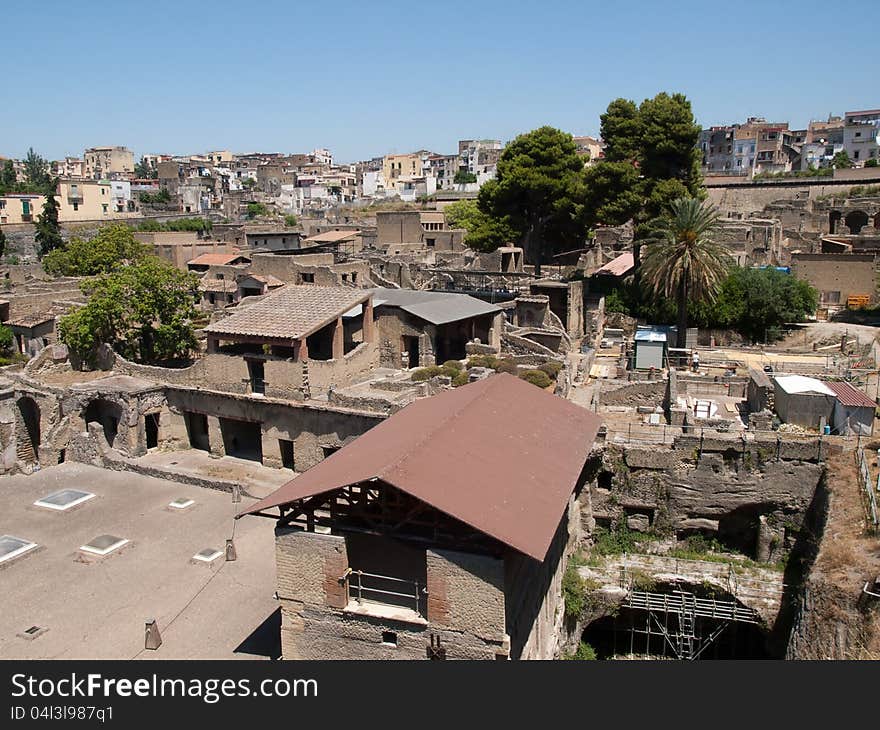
369 327
338 340
271 450
302 350
215 437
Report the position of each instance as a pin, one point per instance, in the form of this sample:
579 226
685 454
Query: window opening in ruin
257 375
389 638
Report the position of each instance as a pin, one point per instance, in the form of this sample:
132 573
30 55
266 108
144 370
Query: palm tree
685 262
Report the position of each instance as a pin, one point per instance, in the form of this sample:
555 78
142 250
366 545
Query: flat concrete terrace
196 465
95 607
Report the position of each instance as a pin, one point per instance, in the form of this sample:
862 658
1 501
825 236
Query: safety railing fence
363 586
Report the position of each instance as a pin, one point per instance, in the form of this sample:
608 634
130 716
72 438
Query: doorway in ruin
107 414
286 448
833 219
197 430
151 429
27 430
411 347
242 439
856 220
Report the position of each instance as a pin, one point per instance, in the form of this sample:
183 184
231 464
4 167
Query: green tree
610 194
112 247
145 311
48 231
537 177
8 178
248 183
6 340
463 177
256 209
841 160
621 131
658 139
36 171
484 233
144 171
685 262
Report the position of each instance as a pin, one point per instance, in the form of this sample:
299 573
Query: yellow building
20 208
395 167
78 200
90 200
103 161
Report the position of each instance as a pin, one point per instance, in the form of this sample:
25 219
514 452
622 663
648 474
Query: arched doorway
856 220
107 414
27 430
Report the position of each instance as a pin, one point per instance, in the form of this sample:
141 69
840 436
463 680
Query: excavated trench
654 616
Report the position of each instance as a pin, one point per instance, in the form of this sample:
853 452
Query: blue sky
369 78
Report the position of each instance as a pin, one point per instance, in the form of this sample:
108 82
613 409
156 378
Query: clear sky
369 78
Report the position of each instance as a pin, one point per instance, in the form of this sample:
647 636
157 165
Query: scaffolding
674 617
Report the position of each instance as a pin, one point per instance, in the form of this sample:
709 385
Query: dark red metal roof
850 396
500 454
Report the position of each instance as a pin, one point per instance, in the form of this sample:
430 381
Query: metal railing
354 582
867 483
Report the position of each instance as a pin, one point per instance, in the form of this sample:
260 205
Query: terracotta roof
850 396
216 259
28 321
498 454
332 236
618 266
291 313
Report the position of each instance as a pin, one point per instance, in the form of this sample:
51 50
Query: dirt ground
848 557
827 334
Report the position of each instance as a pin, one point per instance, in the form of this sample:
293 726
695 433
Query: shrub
506 366
552 368
584 652
460 379
6 339
290 220
426 373
573 588
453 365
537 377
483 361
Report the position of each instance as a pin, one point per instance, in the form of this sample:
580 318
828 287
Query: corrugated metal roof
618 266
434 307
499 454
332 236
796 384
216 259
850 396
290 313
